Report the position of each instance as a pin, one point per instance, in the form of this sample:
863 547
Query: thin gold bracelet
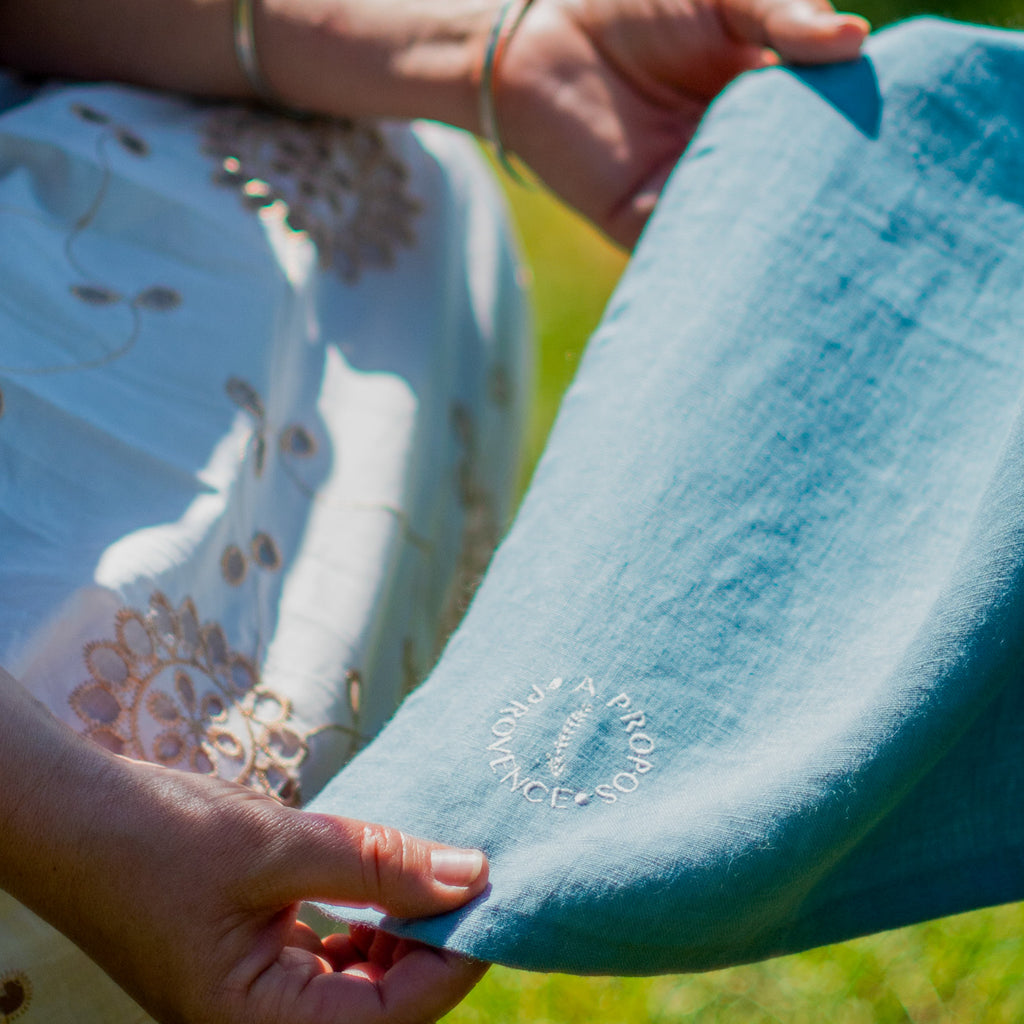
244 31
508 19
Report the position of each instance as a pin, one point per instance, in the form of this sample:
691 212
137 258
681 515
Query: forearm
390 58
54 801
184 888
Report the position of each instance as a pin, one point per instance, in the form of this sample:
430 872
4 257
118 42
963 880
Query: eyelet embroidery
264 552
247 398
169 689
233 565
336 181
15 995
296 440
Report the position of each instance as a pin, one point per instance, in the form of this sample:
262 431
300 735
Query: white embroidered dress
261 385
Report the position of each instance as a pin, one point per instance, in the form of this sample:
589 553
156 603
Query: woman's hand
194 909
600 97
185 888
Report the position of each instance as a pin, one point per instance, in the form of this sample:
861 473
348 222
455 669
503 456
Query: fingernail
460 868
808 14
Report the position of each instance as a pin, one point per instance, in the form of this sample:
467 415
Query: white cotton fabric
261 387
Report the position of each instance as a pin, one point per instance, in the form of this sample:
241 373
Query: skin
598 97
601 97
184 888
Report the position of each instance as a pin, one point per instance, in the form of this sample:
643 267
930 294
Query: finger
342 952
303 937
362 936
345 955
419 989
802 31
382 949
367 971
403 948
353 863
428 975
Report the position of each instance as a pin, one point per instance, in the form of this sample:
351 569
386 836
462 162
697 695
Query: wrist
392 58
534 68
59 789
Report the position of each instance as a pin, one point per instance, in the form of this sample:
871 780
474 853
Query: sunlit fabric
745 677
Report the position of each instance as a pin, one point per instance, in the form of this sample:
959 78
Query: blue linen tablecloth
745 677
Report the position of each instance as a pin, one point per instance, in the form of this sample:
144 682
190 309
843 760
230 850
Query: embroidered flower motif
264 552
169 689
294 442
15 995
298 441
247 398
233 565
88 290
124 136
337 181
159 298
90 114
96 294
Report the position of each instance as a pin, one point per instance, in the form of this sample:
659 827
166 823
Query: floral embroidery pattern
298 441
125 137
88 290
246 397
294 442
15 995
356 739
169 689
336 181
233 565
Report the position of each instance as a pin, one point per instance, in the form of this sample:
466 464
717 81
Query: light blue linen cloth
745 677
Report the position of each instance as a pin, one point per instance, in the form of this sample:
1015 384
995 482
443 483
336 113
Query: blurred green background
959 970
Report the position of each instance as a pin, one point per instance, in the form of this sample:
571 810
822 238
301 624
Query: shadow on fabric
851 88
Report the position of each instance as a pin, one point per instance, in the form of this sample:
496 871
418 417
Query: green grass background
959 970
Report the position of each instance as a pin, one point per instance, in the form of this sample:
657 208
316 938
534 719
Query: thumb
358 864
802 31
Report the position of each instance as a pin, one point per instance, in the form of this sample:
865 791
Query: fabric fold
745 676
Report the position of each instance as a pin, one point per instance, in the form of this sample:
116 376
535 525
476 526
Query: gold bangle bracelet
244 33
508 19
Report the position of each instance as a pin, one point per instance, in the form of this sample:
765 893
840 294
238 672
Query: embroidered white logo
553 778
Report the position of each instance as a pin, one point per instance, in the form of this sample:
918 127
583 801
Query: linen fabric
745 677
261 390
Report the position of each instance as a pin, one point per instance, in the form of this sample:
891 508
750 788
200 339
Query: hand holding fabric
185 888
209 930
600 97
